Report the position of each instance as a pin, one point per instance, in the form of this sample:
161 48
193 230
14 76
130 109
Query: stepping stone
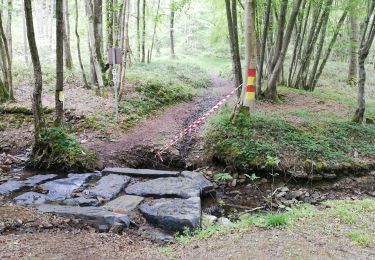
14 186
82 202
146 173
173 214
59 190
108 187
37 179
31 198
157 235
125 203
11 186
205 185
92 215
172 187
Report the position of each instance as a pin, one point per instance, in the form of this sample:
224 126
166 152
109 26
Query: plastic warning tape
195 124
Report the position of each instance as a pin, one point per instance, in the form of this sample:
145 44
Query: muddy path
151 133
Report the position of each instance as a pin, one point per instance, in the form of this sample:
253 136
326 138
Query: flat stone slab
11 186
14 186
37 179
59 190
31 198
173 214
146 173
172 187
92 215
108 187
204 184
81 201
125 203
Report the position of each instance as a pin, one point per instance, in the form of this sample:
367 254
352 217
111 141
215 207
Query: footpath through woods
139 145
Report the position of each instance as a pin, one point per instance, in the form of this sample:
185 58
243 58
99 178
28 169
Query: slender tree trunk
38 87
271 92
143 58
231 10
263 47
109 19
171 29
366 43
138 31
25 51
6 63
59 94
66 35
96 69
9 29
154 33
86 84
354 41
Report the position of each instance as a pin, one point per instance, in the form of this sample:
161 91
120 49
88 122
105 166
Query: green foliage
58 150
223 176
277 220
361 239
261 140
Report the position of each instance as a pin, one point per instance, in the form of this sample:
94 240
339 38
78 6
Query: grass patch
158 85
360 238
277 220
58 150
248 143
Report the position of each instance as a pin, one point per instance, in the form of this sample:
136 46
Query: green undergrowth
159 85
248 221
58 150
249 142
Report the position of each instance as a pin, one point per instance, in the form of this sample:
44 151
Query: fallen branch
21 110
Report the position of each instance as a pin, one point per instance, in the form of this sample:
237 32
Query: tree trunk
271 92
9 29
354 39
86 84
109 19
96 69
25 52
38 87
66 34
263 47
143 58
138 31
154 33
59 94
231 10
171 29
6 63
366 43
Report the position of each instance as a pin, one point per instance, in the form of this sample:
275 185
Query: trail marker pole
114 57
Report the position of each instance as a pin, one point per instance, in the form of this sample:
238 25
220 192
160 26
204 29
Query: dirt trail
155 131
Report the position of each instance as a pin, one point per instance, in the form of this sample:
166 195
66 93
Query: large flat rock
171 187
108 187
61 189
37 179
14 186
31 198
173 214
146 173
125 203
204 184
92 215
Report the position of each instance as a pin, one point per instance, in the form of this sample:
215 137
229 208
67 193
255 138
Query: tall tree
86 84
38 87
156 21
138 30
109 22
66 34
59 94
231 10
271 91
25 52
9 29
172 6
368 34
143 57
6 83
354 41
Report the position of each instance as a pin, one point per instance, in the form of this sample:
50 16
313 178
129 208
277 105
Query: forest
193 129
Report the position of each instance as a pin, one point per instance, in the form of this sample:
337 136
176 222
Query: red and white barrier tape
195 124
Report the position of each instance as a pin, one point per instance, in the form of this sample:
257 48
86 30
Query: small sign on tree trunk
114 56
